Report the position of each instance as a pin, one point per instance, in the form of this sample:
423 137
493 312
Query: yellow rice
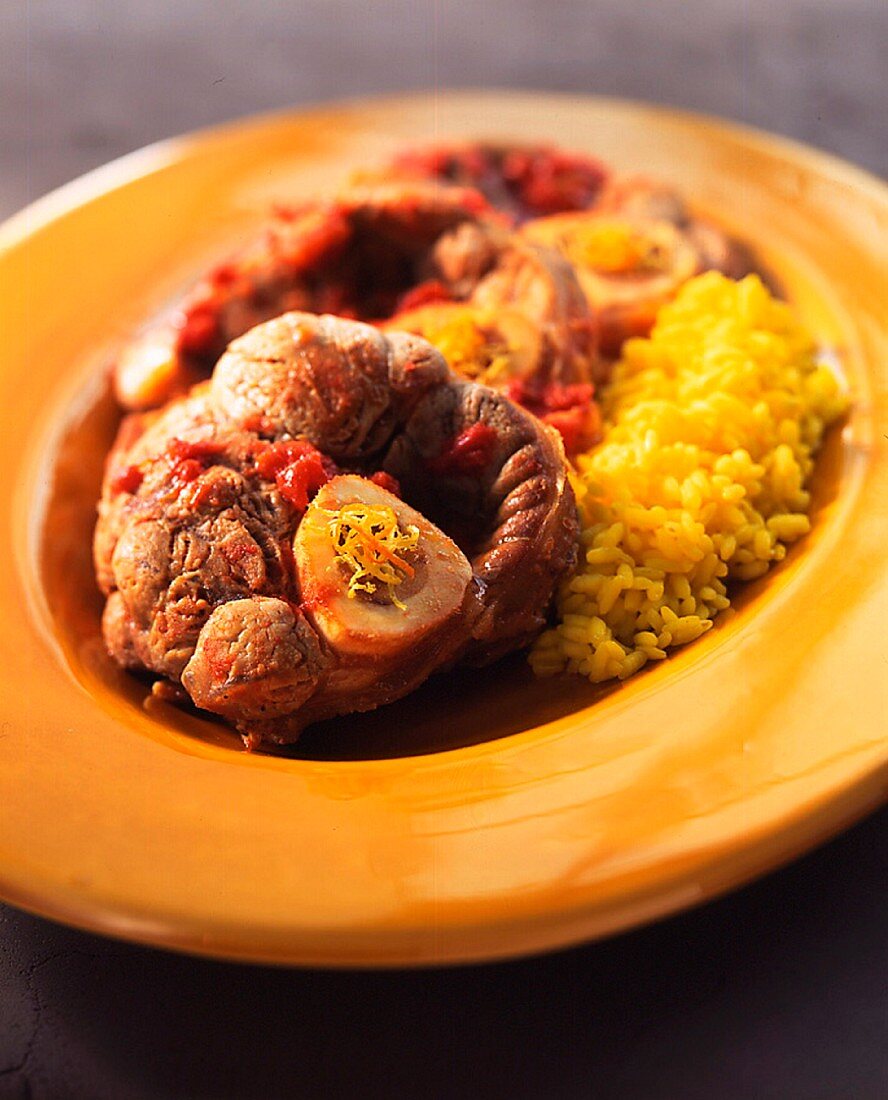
711 425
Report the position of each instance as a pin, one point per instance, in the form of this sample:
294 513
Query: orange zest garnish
383 550
370 543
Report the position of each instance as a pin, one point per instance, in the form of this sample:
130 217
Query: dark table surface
780 990
775 993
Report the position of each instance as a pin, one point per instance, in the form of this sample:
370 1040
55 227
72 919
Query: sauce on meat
432 290
547 182
468 453
189 458
126 480
568 408
198 328
535 180
387 482
297 468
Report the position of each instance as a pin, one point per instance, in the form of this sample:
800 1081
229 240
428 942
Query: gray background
82 81
778 991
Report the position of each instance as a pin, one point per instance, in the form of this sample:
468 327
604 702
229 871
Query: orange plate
531 814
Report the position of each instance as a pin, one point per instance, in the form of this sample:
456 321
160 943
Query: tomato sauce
127 479
297 468
323 235
198 328
387 482
432 290
549 182
568 408
188 459
467 454
528 182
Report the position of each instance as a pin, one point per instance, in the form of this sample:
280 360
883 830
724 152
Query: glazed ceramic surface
490 814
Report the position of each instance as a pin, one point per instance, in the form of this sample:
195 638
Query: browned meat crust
194 543
515 509
543 286
254 661
344 387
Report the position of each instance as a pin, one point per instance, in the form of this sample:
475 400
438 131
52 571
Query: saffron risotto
710 428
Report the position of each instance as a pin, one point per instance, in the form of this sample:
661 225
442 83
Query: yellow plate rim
498 933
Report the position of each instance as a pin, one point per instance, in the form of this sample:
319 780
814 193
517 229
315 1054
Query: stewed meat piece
649 200
483 468
240 564
376 253
525 182
185 524
628 266
432 227
354 256
346 387
525 329
566 199
255 660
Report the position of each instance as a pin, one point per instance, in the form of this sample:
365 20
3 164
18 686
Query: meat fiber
213 543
